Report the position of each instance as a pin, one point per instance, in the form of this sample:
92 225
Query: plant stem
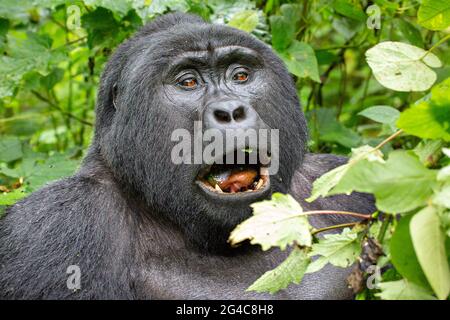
437 44
383 229
329 212
336 226
51 104
391 137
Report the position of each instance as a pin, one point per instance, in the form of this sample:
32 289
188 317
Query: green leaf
429 243
323 186
340 250
32 53
429 151
350 9
289 271
323 121
301 60
403 290
282 32
7 199
246 20
401 184
402 67
434 14
102 27
429 119
55 167
120 7
283 27
381 114
411 33
275 223
10 148
403 256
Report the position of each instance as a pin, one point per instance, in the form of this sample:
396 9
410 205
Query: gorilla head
173 72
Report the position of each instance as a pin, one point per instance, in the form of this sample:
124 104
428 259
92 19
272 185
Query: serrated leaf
429 119
434 14
275 223
289 271
340 250
429 243
403 290
328 181
402 67
401 184
246 20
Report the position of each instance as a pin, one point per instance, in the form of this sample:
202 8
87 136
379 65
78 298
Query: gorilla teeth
260 183
218 188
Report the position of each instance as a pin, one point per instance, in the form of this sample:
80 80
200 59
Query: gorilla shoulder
76 221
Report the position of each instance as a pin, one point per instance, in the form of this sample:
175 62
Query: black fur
135 223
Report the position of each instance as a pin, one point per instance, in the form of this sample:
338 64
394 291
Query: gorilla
137 226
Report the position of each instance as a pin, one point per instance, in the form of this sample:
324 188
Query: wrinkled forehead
201 45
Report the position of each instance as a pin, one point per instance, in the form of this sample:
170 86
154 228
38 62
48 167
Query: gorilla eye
240 76
189 83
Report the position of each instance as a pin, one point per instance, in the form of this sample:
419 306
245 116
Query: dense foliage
373 79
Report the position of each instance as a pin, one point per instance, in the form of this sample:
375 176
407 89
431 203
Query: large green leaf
429 118
275 222
322 187
434 14
401 184
289 271
402 67
403 256
429 243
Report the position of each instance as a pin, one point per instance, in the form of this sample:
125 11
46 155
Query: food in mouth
234 178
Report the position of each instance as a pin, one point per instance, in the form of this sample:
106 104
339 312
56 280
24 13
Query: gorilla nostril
239 114
222 116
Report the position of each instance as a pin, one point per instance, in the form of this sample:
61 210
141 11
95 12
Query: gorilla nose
229 115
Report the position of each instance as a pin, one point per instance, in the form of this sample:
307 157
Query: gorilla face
171 75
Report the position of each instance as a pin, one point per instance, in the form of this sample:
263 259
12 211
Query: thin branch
344 213
392 137
336 226
53 105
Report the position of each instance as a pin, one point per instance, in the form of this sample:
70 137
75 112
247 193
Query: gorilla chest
205 277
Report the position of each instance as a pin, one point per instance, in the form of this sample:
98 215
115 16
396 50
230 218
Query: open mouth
246 177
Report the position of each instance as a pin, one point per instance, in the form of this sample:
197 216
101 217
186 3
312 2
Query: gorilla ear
114 95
